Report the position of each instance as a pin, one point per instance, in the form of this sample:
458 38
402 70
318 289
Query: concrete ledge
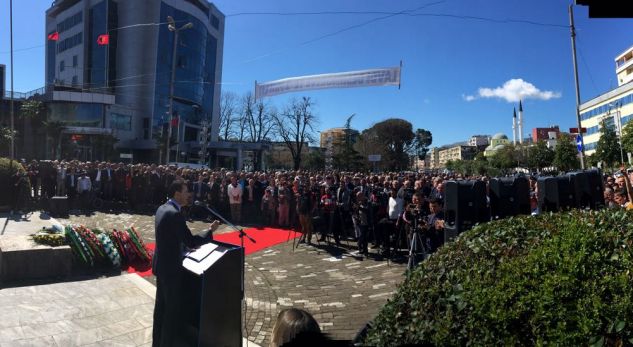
23 259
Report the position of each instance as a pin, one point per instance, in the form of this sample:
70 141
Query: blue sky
446 60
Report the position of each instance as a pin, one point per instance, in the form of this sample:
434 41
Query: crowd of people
381 209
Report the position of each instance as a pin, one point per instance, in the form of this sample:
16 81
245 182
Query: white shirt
84 184
98 179
395 207
234 193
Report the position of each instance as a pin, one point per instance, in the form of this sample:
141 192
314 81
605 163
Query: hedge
7 170
558 279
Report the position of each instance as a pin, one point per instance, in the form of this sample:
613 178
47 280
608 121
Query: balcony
61 92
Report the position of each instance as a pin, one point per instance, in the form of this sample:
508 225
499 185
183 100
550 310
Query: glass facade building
107 47
194 81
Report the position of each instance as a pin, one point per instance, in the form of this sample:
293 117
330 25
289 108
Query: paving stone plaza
342 291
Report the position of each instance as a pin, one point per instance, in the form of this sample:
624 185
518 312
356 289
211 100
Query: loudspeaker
556 193
509 197
588 189
58 206
465 205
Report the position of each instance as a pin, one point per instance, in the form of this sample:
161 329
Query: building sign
373 157
87 130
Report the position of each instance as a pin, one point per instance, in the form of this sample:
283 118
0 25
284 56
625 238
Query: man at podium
172 238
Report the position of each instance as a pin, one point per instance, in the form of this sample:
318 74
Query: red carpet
265 237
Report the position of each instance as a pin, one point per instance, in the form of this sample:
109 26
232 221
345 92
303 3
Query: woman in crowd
296 327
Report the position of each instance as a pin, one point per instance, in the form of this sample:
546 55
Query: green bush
7 189
558 279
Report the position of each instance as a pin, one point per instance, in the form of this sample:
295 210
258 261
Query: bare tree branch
228 106
295 127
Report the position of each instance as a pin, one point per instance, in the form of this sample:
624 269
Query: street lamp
172 27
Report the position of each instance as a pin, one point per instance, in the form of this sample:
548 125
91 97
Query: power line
344 30
317 13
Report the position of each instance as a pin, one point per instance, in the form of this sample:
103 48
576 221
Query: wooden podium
212 313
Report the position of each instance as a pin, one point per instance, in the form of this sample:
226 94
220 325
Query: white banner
350 79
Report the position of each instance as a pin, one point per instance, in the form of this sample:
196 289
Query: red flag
54 36
174 121
103 40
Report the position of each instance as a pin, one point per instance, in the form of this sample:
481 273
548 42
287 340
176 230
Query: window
70 22
74 81
120 121
61 66
74 61
215 22
70 42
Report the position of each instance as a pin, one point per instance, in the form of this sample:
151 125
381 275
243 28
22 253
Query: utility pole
172 27
573 48
12 154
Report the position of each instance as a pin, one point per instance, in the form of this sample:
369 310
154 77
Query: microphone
242 233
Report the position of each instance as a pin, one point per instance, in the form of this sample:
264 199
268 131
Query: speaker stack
58 206
581 189
509 197
465 205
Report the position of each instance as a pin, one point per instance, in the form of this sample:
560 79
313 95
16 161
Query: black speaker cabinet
212 308
509 197
556 193
58 206
465 205
588 189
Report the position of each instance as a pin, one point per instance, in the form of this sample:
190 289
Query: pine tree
565 154
608 148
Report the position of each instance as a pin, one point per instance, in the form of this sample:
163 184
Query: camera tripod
417 248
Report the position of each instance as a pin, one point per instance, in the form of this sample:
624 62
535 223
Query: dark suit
172 235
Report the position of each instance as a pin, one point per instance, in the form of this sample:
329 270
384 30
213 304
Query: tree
30 112
248 108
540 155
295 127
421 143
608 148
394 137
346 157
228 108
505 158
315 160
565 154
260 123
627 137
54 130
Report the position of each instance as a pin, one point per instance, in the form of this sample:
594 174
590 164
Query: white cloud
514 90
468 97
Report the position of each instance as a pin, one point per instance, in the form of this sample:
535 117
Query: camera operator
434 225
360 215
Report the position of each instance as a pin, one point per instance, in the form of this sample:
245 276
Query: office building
109 65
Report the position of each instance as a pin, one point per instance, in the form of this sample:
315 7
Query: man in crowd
234 191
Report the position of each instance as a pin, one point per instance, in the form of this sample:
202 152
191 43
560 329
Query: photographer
360 215
434 225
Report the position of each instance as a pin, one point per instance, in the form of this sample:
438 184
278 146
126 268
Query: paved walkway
113 311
